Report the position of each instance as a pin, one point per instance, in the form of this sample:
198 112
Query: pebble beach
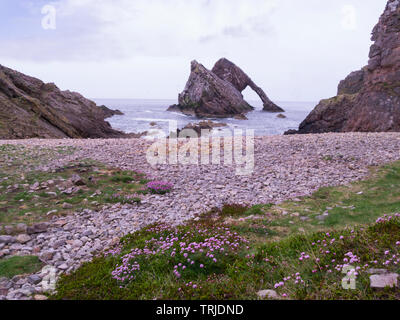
285 167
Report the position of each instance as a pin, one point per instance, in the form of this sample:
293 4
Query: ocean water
139 114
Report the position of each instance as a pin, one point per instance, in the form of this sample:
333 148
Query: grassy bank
298 248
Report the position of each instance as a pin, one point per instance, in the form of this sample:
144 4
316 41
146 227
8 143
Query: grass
17 265
240 273
358 203
19 203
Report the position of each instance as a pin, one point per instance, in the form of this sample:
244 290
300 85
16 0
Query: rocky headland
368 100
217 93
30 108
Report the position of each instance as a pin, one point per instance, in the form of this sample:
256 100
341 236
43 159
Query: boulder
202 125
30 108
38 228
77 180
7 239
23 238
368 100
381 281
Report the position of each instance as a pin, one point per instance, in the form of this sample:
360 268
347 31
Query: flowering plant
159 187
184 252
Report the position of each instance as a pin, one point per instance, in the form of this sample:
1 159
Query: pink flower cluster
294 278
387 218
212 245
159 187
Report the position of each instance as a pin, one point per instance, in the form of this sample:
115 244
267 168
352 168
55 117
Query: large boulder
368 100
30 108
230 72
217 93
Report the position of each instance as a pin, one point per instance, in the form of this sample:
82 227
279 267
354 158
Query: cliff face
30 108
368 100
217 93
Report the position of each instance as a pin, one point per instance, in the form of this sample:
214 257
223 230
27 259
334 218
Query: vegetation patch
234 252
19 265
29 195
159 187
211 261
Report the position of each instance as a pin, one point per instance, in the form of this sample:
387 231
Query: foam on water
138 114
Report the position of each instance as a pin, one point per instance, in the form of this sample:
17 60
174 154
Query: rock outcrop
30 108
228 71
368 100
108 113
202 125
217 93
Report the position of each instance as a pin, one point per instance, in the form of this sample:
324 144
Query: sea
151 116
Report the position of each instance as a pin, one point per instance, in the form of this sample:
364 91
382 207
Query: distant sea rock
30 108
202 125
230 72
217 93
108 113
368 100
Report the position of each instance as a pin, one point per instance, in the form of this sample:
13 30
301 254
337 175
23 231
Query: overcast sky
295 50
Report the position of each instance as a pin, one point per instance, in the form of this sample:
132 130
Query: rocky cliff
368 100
30 108
217 93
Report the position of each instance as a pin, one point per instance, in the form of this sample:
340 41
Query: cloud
94 29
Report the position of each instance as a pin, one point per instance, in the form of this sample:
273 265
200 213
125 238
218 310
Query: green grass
17 265
273 240
359 203
243 272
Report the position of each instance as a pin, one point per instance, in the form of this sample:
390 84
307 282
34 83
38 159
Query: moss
17 265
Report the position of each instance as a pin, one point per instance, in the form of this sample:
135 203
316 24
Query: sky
295 50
